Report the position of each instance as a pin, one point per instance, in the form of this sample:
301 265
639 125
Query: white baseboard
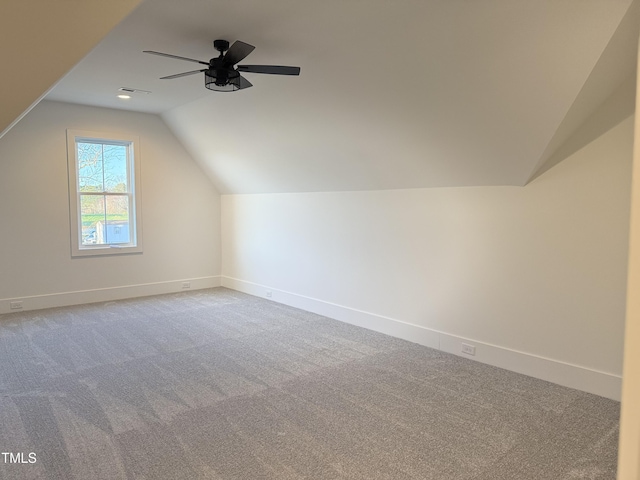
63 299
573 376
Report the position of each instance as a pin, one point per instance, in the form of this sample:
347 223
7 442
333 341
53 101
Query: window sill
105 250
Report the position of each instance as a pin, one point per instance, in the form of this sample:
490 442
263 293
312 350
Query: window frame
132 142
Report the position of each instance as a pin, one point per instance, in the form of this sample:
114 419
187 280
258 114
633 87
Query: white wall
521 272
180 213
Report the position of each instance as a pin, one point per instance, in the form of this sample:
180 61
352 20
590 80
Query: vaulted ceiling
403 94
41 40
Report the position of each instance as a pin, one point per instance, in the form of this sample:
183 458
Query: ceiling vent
133 90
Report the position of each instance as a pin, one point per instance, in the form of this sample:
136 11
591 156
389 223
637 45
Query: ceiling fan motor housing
221 45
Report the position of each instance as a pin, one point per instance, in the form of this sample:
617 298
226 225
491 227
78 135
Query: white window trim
77 248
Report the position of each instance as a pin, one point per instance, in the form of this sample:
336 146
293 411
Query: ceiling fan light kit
221 73
221 82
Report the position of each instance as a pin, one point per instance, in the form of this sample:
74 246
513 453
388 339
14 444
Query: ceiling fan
222 74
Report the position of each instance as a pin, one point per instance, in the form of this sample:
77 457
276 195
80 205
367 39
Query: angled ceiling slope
41 40
607 97
423 93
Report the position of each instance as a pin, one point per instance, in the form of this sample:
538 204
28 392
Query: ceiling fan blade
237 52
244 83
178 75
270 69
175 56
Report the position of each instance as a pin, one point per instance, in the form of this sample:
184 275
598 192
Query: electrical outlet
269 293
15 305
186 285
468 349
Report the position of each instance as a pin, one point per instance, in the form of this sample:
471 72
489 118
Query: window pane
90 167
117 228
115 168
92 216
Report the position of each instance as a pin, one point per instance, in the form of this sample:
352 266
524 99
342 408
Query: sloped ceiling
417 93
591 114
40 40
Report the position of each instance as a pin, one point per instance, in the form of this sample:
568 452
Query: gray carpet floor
216 384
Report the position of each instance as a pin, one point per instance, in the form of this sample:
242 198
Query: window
104 186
